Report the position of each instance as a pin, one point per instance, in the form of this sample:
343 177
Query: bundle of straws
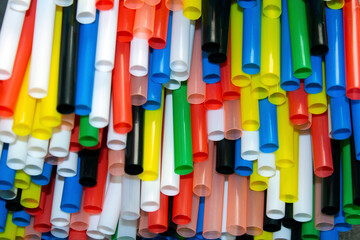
174 119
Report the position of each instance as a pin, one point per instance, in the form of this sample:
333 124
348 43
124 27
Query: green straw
299 39
348 205
353 219
182 131
308 230
88 135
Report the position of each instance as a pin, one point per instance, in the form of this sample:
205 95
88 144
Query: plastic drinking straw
330 186
86 11
134 145
199 132
44 177
8 194
266 164
314 83
277 95
143 226
189 230
64 3
6 133
213 203
152 2
138 90
211 71
351 48
275 208
322 222
257 182
191 10
144 22
171 231
250 145
181 214
69 166
16 157
111 208
125 23
60 232
303 210
334 59
30 197
126 229
298 106
335 4
169 179
258 90
7 174
92 230
323 166
89 166
269 225
213 97
21 218
200 219
88 135
237 195
114 141
289 221
12 25
103 5
154 92
30 232
283 233
9 228
210 23
270 51
106 39
86 69
14 203
268 131
79 221
340 224
60 142
255 212
68 62
160 71
20 231
130 202
249 110
317 103
299 39
22 180
73 234
352 218
232 111
139 57
150 194
71 197
133 4
38 130
203 174
331 235
289 176
215 124
229 91
116 162
340 118
173 84
10 89
271 9
20 5
45 204
317 31
160 32
242 167
37 148
75 146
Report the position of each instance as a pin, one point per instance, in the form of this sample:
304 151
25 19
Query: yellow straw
249 110
38 130
30 197
20 231
277 95
10 228
192 9
257 183
317 103
271 8
258 90
22 180
336 4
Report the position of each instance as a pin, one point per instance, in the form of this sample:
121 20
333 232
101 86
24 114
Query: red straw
182 205
76 235
121 93
323 164
10 89
158 39
158 220
298 106
75 146
199 132
125 23
104 5
213 97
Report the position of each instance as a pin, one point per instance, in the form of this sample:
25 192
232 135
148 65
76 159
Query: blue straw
154 90
3 214
86 67
314 83
211 71
242 167
329 235
287 80
44 178
268 131
251 39
200 220
334 59
71 198
21 218
7 175
355 115
46 236
247 3
160 71
339 220
340 117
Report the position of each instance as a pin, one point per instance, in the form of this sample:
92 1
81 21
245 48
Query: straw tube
275 208
130 202
86 11
17 153
216 124
11 27
203 174
139 57
34 165
106 39
68 167
266 164
150 195
60 142
126 229
37 148
250 145
6 133
20 5
92 229
58 217
115 141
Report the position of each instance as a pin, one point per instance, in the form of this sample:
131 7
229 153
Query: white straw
111 208
20 5
180 35
6 133
37 147
9 39
8 194
266 164
169 179
58 217
283 234
60 142
100 107
33 166
139 57
68 167
86 11
215 124
302 209
63 3
106 39
92 229
126 229
41 49
250 145
16 158
172 84
130 202
275 208
150 194
115 141
60 232
224 206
